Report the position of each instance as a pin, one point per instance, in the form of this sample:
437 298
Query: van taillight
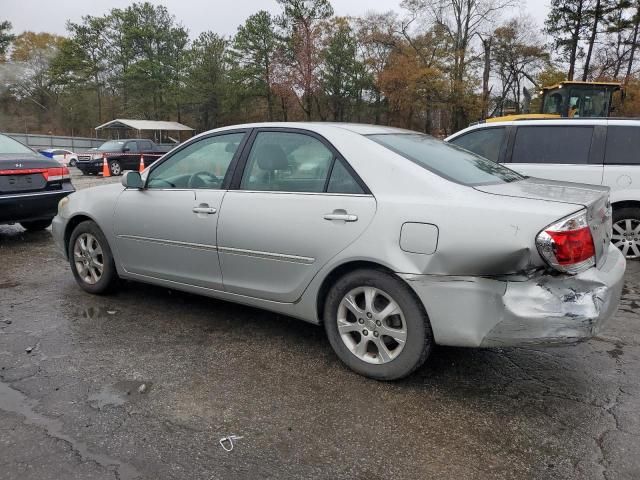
567 245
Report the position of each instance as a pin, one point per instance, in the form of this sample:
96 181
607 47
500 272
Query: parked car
393 240
65 157
121 155
30 185
595 151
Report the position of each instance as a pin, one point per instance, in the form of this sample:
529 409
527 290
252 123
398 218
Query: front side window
287 162
202 164
623 146
146 145
558 144
446 160
486 142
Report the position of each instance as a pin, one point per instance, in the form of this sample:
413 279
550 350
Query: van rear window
623 146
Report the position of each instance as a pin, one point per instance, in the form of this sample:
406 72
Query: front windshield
11 146
112 146
446 160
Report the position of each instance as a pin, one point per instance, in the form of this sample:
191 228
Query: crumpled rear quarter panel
542 309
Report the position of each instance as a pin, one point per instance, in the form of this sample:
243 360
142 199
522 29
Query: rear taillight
49 174
56 173
568 245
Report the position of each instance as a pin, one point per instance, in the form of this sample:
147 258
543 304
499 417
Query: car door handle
345 217
207 210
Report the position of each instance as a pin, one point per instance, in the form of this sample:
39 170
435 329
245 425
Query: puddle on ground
119 393
13 401
97 312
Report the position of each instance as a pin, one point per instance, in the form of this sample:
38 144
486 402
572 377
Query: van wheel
91 259
626 231
376 325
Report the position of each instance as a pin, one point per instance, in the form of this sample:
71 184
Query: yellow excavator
573 99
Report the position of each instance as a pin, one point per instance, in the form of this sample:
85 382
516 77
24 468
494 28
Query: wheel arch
345 268
71 225
626 204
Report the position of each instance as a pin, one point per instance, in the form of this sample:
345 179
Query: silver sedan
392 240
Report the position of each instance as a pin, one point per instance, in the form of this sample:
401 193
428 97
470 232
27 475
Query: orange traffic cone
105 167
141 167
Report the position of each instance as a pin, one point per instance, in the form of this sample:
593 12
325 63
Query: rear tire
115 168
379 309
91 259
36 225
626 231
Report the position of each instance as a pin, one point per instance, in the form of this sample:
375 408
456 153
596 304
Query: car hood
594 198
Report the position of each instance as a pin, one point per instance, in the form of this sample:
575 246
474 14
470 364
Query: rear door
131 157
572 153
622 162
296 204
168 229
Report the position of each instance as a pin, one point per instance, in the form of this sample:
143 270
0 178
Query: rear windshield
9 145
446 160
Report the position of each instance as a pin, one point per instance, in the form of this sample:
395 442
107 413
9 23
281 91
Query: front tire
91 259
376 325
626 231
36 225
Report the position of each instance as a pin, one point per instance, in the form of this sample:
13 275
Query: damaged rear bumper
538 309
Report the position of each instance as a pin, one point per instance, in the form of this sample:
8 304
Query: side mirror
132 180
125 149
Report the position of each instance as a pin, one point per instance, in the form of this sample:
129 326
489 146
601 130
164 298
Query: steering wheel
195 181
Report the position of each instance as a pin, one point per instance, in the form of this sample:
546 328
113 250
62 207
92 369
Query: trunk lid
22 173
594 198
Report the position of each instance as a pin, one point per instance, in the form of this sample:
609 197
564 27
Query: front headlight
62 203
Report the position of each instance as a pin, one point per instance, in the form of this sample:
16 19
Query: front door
298 205
168 229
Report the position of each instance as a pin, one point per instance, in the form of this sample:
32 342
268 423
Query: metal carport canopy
144 125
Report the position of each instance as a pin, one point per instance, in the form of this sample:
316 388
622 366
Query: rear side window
341 181
623 146
146 145
446 160
132 146
287 162
558 144
486 142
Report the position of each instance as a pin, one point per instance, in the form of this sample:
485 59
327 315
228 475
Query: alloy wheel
88 258
115 169
626 236
371 325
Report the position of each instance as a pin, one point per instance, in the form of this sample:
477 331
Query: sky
222 17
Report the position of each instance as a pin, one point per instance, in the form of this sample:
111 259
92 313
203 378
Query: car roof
360 128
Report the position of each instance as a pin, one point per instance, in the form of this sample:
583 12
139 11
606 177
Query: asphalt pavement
144 384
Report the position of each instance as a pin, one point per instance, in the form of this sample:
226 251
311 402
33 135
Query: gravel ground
144 383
